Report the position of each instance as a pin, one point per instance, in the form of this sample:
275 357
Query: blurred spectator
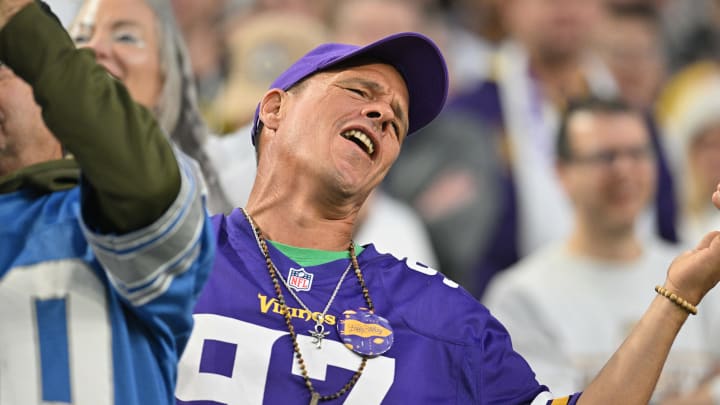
545 62
259 47
630 42
317 9
475 30
604 268
201 24
448 170
363 21
691 118
692 31
149 57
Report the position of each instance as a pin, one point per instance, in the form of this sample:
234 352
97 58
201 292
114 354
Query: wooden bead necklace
315 396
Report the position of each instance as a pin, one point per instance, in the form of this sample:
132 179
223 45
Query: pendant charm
315 398
318 335
365 333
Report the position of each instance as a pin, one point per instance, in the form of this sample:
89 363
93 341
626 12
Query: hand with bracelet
640 358
709 391
695 272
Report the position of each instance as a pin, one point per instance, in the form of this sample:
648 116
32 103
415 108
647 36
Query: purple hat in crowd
415 56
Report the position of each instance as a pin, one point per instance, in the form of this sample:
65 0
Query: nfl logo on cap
299 279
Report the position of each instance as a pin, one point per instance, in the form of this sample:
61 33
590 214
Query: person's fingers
707 240
716 197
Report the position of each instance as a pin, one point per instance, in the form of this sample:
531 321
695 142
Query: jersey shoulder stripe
142 264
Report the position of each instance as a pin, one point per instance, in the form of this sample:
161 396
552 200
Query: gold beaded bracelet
681 302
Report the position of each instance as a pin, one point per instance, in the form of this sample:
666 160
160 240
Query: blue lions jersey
97 319
447 348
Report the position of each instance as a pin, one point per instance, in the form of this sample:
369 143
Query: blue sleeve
158 271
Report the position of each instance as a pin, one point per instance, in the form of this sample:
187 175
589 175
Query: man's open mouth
360 139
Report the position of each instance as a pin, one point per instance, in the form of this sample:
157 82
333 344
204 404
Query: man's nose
381 113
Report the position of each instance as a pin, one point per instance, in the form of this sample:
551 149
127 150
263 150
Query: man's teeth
360 138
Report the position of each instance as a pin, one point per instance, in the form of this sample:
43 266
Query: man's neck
299 220
620 246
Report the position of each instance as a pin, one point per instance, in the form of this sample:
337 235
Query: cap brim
420 63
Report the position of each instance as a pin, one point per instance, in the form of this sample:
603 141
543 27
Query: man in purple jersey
295 312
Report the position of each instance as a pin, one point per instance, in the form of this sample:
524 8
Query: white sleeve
543 398
142 264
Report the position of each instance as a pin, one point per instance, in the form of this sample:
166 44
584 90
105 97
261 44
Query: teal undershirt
313 257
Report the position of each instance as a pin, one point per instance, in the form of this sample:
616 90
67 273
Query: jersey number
55 342
252 360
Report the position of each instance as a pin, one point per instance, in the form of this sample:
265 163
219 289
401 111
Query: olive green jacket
130 175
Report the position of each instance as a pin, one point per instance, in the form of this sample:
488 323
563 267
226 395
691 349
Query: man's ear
270 108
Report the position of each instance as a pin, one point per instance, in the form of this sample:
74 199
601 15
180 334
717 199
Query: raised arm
630 375
143 204
130 173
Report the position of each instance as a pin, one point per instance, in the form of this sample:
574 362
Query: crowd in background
658 56
478 190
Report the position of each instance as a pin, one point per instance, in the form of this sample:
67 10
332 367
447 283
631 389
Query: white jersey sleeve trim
140 263
158 286
543 398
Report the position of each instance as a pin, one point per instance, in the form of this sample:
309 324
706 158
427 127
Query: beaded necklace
315 396
318 332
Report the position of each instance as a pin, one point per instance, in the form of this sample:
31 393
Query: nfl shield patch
299 279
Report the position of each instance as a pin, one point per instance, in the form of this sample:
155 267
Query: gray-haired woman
139 44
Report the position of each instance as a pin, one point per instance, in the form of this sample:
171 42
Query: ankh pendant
315 398
318 335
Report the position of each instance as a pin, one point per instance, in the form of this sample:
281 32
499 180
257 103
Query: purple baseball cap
414 55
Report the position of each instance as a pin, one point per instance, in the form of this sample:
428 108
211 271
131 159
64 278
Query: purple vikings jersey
447 348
